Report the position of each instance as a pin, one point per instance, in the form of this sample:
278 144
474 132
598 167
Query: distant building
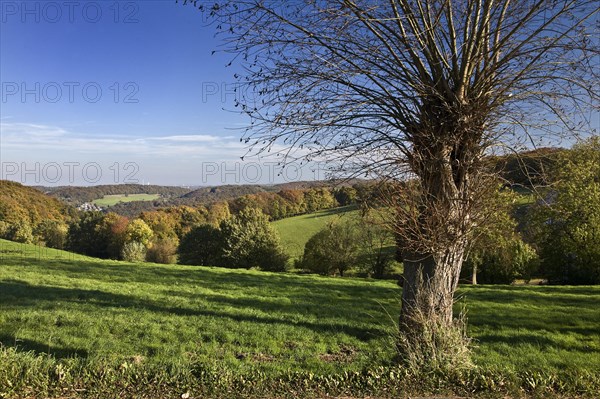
89 207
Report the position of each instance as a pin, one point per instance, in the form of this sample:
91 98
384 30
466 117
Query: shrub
273 259
162 251
378 247
133 251
510 260
498 254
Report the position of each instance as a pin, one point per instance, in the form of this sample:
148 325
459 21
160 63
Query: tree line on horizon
538 241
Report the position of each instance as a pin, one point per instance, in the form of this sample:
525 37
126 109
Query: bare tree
418 90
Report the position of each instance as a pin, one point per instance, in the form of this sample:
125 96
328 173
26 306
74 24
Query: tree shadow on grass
337 306
215 278
540 316
544 295
18 294
300 290
27 345
536 340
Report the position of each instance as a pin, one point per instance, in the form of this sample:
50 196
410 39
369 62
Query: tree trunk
437 244
430 281
474 275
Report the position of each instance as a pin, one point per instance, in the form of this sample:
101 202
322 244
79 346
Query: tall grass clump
428 345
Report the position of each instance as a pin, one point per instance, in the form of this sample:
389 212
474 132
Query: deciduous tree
414 89
568 222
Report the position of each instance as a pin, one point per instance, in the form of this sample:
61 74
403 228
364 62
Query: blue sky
103 92
113 92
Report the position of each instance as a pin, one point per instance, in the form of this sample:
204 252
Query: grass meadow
297 230
74 326
110 200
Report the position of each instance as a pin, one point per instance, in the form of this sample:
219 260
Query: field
296 231
71 322
110 200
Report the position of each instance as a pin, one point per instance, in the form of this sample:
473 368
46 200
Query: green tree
186 218
318 198
568 222
345 195
88 236
279 208
217 212
20 231
163 224
334 249
249 240
498 254
378 245
53 233
138 231
500 259
203 245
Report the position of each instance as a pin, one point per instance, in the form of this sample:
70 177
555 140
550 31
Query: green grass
296 231
175 328
110 200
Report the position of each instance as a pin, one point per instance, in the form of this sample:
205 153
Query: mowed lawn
110 200
63 305
296 231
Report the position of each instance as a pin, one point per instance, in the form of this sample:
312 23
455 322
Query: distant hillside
227 192
220 193
527 168
22 203
523 169
207 195
175 196
78 195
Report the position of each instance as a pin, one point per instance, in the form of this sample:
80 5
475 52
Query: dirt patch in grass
346 354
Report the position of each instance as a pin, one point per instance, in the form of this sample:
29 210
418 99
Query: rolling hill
296 231
22 203
77 195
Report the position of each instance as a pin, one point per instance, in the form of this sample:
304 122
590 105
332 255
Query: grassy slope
110 200
67 304
296 231
63 304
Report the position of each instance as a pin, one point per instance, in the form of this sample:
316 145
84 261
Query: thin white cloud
43 138
189 138
30 129
165 159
